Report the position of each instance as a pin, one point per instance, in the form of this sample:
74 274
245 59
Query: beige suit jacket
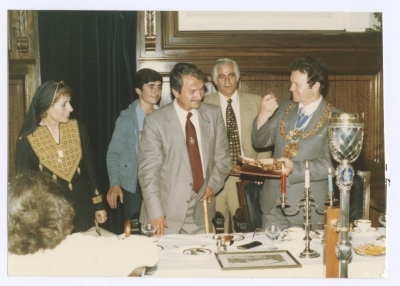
165 175
249 105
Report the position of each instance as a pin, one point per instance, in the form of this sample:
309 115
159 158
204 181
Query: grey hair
224 62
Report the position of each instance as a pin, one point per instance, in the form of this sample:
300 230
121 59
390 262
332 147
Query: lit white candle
307 178
330 184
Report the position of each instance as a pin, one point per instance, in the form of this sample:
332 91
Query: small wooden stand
332 215
206 224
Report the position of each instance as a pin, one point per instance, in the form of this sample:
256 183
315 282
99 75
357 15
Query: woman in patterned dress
52 143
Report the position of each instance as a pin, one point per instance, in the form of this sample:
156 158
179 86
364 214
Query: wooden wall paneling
258 51
263 84
378 116
16 115
352 94
24 73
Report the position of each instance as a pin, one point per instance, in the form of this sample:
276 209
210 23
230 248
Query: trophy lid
346 118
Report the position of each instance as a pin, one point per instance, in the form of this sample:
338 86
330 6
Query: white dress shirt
309 110
182 115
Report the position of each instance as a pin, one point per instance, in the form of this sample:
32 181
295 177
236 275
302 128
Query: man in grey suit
298 130
170 199
226 76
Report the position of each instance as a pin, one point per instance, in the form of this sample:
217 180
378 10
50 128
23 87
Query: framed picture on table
257 260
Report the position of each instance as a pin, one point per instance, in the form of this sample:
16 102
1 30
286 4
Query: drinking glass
149 229
258 233
382 219
272 233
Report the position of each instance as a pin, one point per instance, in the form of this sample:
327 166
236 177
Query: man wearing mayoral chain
298 130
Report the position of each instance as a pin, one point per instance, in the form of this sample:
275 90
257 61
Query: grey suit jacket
314 148
249 105
164 169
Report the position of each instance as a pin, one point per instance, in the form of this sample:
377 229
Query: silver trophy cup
346 132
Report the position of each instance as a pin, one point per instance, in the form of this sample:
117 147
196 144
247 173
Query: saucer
197 251
233 236
371 229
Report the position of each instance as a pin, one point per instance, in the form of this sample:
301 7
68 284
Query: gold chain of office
294 135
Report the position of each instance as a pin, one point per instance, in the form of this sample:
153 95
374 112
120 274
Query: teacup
295 233
363 224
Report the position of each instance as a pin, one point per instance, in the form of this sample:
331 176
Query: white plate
234 236
197 251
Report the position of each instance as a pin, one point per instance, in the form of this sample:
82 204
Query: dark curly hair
144 76
315 70
38 215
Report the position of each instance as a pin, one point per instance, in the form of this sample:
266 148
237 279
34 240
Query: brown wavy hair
38 215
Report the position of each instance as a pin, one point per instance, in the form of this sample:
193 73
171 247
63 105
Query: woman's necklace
56 135
292 148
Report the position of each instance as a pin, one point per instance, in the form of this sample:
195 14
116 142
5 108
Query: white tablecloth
172 263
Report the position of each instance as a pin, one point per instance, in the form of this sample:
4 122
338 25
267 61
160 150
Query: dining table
173 262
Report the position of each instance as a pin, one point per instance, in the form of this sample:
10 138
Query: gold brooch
192 140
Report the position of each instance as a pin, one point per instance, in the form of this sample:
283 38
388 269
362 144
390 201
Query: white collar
310 108
234 97
181 111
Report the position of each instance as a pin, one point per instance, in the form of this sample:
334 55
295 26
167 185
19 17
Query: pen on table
97 227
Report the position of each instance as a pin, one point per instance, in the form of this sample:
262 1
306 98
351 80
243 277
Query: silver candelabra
306 203
346 132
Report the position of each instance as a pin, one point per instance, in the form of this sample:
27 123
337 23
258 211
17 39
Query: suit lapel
214 99
204 123
245 119
290 119
317 116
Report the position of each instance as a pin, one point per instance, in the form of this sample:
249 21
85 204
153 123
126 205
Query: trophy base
309 253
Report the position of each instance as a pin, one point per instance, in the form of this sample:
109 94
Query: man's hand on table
160 223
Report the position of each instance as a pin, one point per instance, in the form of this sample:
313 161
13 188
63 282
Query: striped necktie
233 133
301 118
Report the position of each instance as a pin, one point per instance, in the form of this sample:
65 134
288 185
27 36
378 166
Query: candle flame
307 165
329 170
